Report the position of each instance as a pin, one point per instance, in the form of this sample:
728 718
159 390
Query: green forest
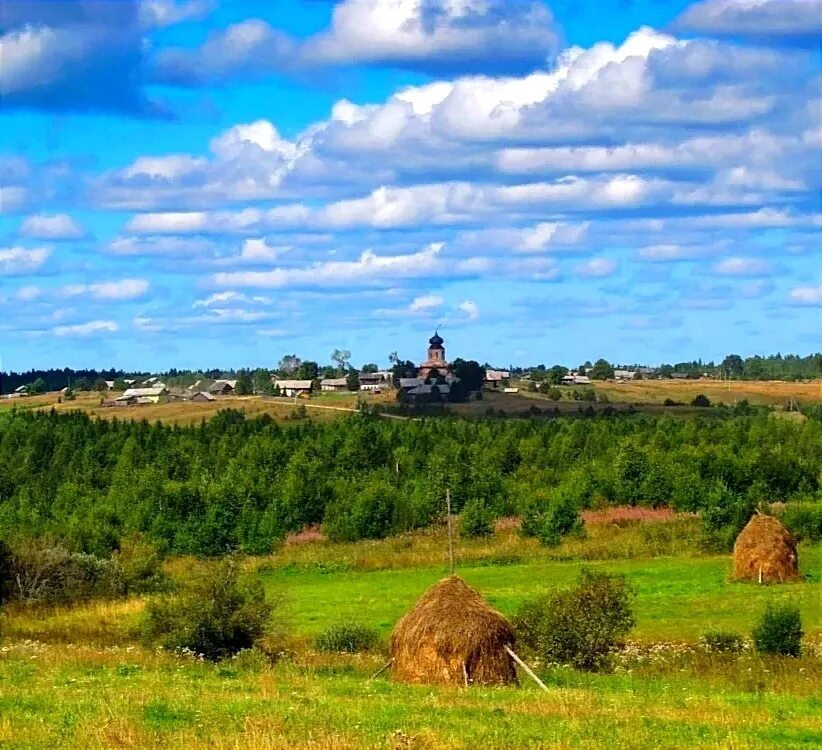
240 484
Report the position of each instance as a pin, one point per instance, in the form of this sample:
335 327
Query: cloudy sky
215 183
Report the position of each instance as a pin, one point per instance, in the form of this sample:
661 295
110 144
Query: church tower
436 357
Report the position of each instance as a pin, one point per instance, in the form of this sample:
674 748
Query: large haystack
765 552
453 636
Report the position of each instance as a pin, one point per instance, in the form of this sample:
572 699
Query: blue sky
215 183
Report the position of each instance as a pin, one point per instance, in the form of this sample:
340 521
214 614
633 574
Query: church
436 358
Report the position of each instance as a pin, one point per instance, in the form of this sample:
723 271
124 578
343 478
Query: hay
453 636
765 552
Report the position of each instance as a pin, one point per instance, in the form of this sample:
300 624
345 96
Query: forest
242 484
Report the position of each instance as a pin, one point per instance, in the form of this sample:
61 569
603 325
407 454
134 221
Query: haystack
453 636
765 552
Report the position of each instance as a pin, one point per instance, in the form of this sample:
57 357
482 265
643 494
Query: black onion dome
436 340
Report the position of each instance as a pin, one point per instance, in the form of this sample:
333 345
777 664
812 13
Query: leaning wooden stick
381 669
527 669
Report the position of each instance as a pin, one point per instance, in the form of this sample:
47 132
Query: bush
579 626
701 400
477 520
560 519
803 520
555 394
214 615
347 638
45 571
139 565
722 641
779 631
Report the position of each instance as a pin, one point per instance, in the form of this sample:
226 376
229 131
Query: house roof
21 389
219 385
411 382
296 385
205 394
334 381
497 374
141 393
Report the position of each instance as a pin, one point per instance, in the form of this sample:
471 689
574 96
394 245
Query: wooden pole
527 669
381 669
450 532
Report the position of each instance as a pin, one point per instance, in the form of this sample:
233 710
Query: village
433 380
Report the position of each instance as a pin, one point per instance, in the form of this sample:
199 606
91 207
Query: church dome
436 340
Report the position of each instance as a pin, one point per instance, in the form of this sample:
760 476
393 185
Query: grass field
78 676
323 407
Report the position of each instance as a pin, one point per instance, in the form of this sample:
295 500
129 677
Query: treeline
234 483
56 380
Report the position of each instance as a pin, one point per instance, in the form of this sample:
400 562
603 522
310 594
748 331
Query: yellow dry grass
774 393
323 407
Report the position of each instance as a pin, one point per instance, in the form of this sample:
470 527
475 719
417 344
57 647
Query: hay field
78 677
771 393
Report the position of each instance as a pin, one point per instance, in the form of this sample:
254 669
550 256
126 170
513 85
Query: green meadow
79 677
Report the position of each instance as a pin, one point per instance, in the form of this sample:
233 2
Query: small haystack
453 636
765 552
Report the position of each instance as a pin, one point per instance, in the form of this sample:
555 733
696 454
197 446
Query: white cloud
28 293
596 267
124 289
738 266
219 299
18 261
471 309
86 329
415 34
370 268
410 32
54 227
163 13
760 18
806 295
426 303
670 253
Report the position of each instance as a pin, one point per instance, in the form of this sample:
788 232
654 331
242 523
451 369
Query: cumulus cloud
471 309
426 303
368 269
762 19
597 268
163 13
425 35
76 55
738 266
806 295
51 227
110 291
221 299
19 261
90 328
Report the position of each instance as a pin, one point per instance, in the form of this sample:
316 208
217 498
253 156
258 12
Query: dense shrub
476 520
347 637
45 571
803 520
722 641
214 614
701 400
779 631
580 626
